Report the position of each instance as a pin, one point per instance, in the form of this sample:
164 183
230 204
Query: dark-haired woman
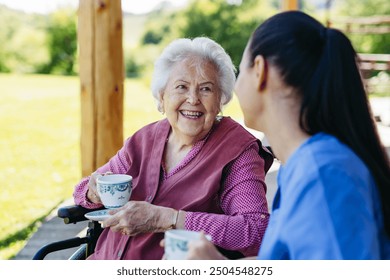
299 83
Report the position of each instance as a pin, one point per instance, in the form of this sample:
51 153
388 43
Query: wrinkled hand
137 217
92 193
203 249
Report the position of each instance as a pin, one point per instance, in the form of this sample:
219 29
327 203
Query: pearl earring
161 109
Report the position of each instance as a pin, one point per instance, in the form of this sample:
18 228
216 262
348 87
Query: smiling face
191 98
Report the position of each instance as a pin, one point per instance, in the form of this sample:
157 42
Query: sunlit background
45 6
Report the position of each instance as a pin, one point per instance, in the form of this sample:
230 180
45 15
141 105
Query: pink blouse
242 200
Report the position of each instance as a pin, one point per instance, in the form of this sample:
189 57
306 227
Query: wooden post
290 5
101 81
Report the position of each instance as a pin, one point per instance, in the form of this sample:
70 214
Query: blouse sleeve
118 164
243 201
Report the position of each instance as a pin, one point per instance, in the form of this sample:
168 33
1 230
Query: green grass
39 146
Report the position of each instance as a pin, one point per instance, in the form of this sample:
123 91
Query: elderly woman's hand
140 217
203 249
92 193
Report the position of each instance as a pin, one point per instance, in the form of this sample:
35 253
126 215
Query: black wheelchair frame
72 215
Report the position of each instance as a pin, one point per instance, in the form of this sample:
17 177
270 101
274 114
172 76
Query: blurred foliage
22 41
61 43
365 43
161 27
33 43
157 27
139 61
133 66
230 23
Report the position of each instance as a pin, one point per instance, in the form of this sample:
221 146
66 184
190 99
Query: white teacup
114 189
176 243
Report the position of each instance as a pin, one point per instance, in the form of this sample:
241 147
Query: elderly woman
193 170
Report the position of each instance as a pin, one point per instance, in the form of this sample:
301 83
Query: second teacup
176 243
114 189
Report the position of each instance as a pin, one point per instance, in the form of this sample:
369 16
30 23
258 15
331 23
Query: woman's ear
161 102
260 65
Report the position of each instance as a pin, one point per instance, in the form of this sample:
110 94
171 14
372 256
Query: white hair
200 47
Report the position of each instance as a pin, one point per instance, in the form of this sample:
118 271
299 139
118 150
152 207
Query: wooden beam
86 41
362 25
290 5
101 81
363 20
371 61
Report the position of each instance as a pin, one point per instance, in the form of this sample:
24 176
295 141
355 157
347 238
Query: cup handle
96 176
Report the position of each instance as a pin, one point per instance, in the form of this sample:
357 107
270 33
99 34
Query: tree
62 43
161 26
17 31
152 37
132 66
229 22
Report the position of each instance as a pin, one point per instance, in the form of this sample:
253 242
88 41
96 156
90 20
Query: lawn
39 146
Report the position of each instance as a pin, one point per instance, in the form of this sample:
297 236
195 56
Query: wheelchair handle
73 214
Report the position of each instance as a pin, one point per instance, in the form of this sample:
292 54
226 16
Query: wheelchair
85 245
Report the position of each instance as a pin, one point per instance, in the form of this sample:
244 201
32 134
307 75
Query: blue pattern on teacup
176 244
113 188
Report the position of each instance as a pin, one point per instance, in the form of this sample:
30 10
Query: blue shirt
326 207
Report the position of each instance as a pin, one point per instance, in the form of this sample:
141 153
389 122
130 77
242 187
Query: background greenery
39 163
40 113
48 43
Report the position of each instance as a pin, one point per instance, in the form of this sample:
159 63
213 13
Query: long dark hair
321 64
